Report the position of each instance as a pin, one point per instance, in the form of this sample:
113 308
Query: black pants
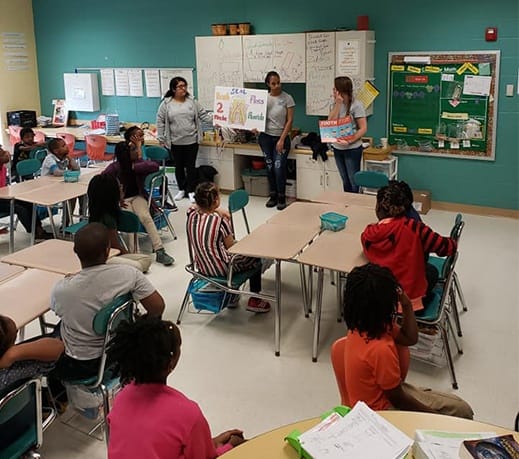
185 166
432 276
24 212
70 369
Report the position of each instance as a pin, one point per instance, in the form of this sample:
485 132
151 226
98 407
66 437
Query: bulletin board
443 103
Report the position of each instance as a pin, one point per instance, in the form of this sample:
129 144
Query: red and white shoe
258 305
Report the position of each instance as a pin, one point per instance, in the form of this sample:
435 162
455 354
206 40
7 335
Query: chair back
28 167
337 356
14 135
69 139
238 199
154 184
457 229
20 410
128 222
370 179
156 153
39 154
95 147
39 137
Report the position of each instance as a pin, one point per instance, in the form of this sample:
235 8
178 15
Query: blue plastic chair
237 201
370 179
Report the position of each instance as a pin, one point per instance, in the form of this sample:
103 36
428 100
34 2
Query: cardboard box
422 201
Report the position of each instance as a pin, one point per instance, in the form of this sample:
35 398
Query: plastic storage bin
89 403
207 297
256 182
71 176
333 221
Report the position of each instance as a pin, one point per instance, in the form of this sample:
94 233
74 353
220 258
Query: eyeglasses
181 85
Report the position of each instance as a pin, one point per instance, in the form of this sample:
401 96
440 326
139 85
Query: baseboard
478 210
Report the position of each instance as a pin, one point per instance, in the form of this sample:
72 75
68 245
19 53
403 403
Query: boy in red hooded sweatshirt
403 245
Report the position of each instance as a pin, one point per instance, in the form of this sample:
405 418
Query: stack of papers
434 444
362 433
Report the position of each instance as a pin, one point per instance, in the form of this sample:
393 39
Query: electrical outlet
509 90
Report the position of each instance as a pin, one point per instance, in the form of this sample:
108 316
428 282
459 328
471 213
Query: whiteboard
320 72
218 63
81 91
285 53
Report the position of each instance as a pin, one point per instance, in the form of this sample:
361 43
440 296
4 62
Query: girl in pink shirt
149 419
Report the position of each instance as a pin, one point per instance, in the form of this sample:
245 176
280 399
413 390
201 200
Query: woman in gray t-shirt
275 141
348 152
178 128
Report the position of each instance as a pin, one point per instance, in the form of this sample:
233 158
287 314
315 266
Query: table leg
11 225
310 287
54 232
339 297
317 315
277 309
33 224
304 286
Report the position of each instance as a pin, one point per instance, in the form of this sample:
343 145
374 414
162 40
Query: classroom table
53 255
7 272
79 132
338 251
272 444
26 296
346 199
279 242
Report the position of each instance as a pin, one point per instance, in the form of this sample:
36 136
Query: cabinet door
310 177
222 161
332 178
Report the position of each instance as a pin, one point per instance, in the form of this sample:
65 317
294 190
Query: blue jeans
348 164
276 163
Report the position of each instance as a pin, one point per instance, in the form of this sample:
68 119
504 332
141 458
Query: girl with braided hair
403 244
149 418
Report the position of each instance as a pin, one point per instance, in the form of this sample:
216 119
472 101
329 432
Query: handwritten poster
135 82
348 57
122 85
152 79
240 108
107 82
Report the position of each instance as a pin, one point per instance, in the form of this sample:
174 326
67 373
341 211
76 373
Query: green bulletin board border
444 58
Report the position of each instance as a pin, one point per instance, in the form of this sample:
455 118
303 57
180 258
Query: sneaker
163 258
258 305
180 195
192 197
282 202
235 303
43 235
273 200
173 207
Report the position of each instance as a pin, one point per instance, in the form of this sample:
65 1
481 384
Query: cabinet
389 167
314 177
222 160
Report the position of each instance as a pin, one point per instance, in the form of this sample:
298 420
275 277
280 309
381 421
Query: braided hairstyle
370 300
206 194
391 202
145 351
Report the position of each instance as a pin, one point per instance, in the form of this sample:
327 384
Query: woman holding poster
352 118
275 141
178 128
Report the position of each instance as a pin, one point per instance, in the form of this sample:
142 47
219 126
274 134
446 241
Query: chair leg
459 291
333 275
451 328
185 301
317 315
170 226
246 221
106 410
304 288
454 310
447 349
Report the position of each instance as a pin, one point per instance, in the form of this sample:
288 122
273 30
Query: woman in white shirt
348 152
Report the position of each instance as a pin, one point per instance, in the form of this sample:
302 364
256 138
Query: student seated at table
403 244
131 171
209 230
23 149
57 160
76 300
376 356
149 418
22 361
407 194
104 197
21 208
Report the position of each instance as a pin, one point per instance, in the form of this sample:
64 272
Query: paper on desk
434 444
361 433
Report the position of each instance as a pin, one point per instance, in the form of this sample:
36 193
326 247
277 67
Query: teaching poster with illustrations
443 103
240 108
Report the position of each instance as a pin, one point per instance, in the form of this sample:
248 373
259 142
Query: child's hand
225 437
403 298
236 440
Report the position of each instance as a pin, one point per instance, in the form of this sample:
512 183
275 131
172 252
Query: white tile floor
228 364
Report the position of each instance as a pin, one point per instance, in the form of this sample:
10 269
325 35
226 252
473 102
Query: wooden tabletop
27 295
17 189
280 242
57 192
347 199
358 218
7 271
53 255
80 132
273 446
339 251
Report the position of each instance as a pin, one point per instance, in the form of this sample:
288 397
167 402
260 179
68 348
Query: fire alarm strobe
491 34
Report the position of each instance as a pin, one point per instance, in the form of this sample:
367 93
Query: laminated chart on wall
443 104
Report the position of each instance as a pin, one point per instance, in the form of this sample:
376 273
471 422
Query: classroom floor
228 364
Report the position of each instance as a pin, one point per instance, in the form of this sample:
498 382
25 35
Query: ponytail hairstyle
173 86
103 197
206 194
122 156
271 74
344 86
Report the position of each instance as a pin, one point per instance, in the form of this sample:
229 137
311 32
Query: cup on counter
383 142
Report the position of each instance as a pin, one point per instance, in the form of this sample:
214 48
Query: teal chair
74 228
28 168
156 153
21 420
370 179
39 154
237 201
129 223
104 324
155 184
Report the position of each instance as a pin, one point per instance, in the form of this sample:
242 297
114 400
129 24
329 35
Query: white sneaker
192 197
180 195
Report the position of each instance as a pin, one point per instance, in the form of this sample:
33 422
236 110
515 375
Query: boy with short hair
376 351
23 149
57 161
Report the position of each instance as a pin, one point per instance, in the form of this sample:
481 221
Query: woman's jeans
348 164
276 163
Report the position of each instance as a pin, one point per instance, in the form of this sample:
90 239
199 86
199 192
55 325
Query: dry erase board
320 72
218 63
284 53
443 103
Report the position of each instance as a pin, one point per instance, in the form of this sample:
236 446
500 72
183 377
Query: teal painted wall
161 34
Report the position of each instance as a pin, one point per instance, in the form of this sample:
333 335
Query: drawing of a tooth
238 111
